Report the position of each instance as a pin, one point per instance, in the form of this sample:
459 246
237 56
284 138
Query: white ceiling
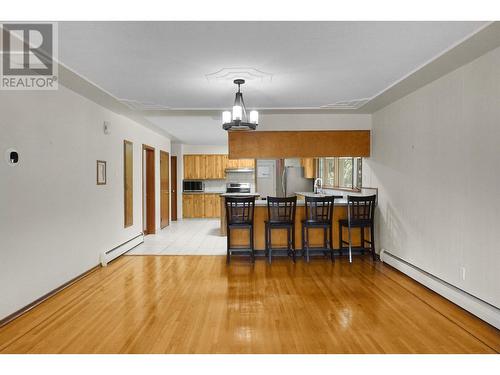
288 65
308 64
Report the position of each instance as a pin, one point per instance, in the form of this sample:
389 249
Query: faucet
318 185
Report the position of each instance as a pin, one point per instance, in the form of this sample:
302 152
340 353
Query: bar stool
240 215
319 214
281 215
360 214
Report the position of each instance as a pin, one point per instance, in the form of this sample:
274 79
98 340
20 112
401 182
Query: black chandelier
238 120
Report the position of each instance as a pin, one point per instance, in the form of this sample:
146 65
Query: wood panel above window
303 144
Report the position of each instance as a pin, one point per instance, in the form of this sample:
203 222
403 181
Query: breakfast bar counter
240 237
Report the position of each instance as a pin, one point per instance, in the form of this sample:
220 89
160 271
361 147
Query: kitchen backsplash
241 177
215 186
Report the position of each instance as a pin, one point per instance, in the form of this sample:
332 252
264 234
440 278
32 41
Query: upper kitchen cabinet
240 163
309 165
194 167
215 166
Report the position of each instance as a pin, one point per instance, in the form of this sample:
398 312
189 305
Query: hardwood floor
197 304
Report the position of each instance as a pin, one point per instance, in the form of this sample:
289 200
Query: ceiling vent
247 73
135 105
347 104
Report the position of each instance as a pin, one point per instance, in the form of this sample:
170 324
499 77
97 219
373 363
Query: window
343 172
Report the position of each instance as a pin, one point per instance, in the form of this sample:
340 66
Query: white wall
54 219
435 159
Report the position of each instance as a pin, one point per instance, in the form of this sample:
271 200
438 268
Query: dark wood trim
150 190
128 205
164 220
173 187
46 296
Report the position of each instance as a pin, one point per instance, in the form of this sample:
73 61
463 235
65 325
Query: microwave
192 186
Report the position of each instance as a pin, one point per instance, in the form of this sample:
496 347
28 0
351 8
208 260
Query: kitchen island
239 237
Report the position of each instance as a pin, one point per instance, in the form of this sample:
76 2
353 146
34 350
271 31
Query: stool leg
340 239
325 240
372 238
266 248
350 242
307 243
303 242
269 250
362 240
289 238
330 243
228 239
293 243
251 245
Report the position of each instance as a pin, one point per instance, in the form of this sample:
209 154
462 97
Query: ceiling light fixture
238 119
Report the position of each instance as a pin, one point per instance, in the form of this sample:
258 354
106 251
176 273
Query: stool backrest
281 210
320 209
361 207
240 210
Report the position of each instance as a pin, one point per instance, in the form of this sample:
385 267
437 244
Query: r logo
35 54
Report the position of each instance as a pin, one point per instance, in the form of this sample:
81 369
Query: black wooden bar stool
240 215
281 215
360 214
319 214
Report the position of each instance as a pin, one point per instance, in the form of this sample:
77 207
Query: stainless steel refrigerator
281 178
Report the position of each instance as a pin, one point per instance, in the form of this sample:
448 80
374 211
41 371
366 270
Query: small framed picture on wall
101 172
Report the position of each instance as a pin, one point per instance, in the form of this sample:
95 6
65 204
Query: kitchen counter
302 202
240 237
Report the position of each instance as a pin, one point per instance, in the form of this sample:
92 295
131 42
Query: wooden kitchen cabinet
194 167
187 206
212 205
232 163
215 166
241 163
246 163
193 206
221 165
200 205
309 165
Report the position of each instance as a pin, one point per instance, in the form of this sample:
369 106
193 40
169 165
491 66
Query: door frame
163 153
150 190
173 188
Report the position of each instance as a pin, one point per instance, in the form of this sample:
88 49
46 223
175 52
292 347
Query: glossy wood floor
197 304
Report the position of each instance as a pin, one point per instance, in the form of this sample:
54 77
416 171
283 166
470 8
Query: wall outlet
462 273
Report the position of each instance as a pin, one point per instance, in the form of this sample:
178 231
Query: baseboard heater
474 305
115 252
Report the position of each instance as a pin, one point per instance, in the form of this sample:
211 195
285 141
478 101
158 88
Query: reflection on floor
185 237
198 304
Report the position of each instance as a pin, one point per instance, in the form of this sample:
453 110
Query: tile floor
185 237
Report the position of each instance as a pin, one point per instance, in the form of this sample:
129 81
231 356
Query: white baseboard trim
115 252
479 308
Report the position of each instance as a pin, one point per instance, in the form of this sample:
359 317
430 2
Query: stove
238 187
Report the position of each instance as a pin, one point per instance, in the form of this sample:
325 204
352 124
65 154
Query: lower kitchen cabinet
212 205
200 205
